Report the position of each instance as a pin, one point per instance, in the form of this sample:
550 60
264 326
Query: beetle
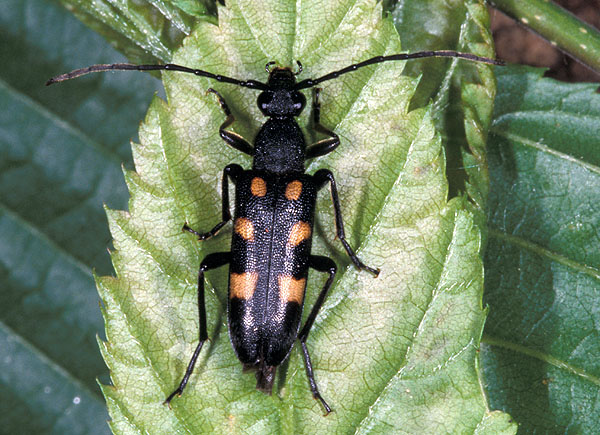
273 219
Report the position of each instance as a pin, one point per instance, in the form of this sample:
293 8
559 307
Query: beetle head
281 100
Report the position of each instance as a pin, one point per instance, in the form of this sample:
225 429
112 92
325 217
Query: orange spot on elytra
293 190
300 232
258 187
291 289
242 285
244 228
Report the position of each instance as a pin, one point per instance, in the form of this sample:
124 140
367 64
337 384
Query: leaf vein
544 252
543 148
542 356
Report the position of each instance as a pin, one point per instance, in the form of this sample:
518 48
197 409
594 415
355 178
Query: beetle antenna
299 68
253 84
309 83
269 65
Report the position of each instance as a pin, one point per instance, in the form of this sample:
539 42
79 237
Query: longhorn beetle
273 219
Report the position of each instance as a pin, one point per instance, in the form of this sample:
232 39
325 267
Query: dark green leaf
40 397
61 149
543 259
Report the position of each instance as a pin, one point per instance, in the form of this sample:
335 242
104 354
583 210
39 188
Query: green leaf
543 260
392 354
197 8
146 31
61 149
462 93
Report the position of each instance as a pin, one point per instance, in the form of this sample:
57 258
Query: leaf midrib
544 252
542 356
96 395
35 231
546 113
543 148
61 123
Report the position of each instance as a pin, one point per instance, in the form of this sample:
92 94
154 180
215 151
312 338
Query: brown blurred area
516 44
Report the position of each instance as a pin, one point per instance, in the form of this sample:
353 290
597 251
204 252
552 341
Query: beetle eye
299 101
264 100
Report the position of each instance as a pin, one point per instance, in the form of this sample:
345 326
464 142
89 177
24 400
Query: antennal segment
253 84
308 83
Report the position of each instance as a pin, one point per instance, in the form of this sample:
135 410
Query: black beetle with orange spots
273 220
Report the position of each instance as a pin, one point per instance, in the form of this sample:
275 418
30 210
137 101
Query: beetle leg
322 176
211 261
232 139
324 146
232 171
321 264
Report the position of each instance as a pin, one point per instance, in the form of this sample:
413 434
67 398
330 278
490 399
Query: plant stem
561 28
